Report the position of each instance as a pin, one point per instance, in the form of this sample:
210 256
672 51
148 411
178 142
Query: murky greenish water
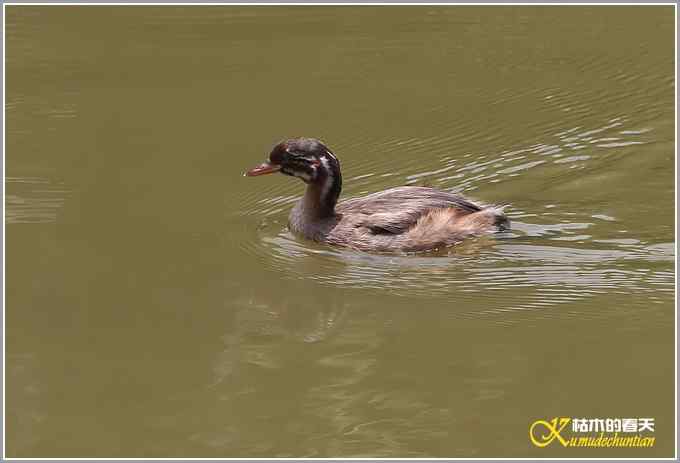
157 306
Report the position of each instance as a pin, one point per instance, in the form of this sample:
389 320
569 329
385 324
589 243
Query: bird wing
389 223
396 210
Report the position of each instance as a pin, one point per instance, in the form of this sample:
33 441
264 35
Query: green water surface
156 305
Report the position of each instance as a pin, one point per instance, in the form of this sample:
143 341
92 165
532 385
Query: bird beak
262 169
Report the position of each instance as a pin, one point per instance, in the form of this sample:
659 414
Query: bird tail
489 219
500 220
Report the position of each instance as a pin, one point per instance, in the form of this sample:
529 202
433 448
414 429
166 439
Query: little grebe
407 218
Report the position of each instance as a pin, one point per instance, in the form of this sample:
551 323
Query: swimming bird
405 218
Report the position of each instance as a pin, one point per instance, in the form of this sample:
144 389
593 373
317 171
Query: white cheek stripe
329 179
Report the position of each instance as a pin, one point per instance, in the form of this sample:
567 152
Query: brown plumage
406 218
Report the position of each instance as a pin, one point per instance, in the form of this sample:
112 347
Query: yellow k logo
553 428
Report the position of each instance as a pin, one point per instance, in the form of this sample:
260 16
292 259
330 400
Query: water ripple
33 200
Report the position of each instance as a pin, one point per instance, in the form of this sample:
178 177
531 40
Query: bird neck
322 194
